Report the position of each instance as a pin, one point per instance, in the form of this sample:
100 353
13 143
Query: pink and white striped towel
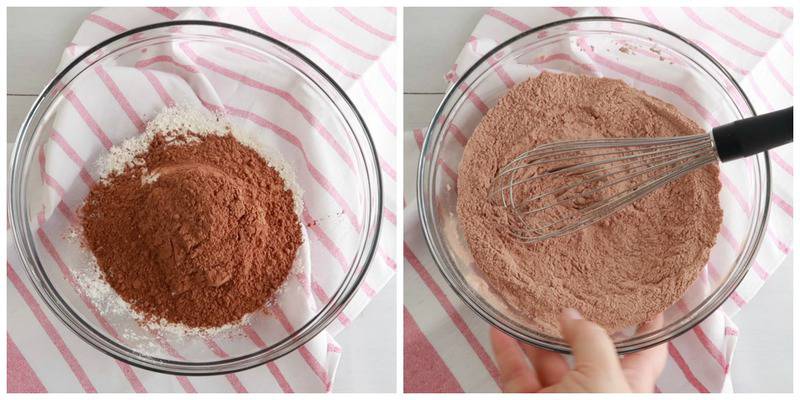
355 46
446 344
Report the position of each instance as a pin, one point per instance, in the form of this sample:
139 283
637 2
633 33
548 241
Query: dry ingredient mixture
191 227
620 272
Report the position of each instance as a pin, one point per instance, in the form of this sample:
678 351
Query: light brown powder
620 272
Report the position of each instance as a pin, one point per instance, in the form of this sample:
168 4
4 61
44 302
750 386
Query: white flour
182 124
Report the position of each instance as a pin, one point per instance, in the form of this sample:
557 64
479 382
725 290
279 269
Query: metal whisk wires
561 187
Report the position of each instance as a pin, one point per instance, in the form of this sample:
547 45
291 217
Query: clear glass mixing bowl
256 55
646 57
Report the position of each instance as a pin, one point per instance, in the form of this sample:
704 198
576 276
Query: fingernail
571 313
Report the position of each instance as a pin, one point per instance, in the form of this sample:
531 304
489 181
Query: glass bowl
341 234
646 57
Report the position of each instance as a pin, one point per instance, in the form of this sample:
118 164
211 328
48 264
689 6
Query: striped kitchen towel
355 46
447 345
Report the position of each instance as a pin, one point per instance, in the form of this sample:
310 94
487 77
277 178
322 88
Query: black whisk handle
749 136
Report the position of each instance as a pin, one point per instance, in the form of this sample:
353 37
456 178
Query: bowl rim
426 218
24 243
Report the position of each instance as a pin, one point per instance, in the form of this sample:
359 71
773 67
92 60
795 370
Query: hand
598 368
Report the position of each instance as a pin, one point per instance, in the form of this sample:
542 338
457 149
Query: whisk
560 187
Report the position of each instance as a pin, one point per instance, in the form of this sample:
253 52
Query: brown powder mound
210 240
620 272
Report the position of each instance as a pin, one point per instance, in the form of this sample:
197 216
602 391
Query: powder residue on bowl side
190 226
620 272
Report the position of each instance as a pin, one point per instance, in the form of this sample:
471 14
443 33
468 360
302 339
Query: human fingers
516 374
549 366
592 347
643 368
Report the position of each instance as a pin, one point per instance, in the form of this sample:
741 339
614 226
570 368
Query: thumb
593 349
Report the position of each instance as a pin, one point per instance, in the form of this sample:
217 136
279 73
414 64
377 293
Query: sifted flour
619 272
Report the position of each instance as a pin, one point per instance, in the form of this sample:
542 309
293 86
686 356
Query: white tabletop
36 39
763 359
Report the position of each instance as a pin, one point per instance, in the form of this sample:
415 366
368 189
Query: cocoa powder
200 233
620 272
